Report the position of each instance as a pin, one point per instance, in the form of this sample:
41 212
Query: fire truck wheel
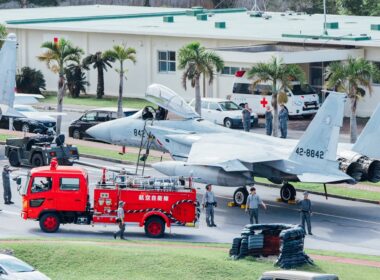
49 222
155 227
37 160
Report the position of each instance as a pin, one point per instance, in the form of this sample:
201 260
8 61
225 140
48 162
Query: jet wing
7 111
27 99
230 154
326 178
171 101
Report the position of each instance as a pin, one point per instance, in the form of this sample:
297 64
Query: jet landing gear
287 192
240 196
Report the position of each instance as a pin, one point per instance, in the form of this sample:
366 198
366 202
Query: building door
317 78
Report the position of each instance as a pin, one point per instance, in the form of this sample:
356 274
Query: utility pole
324 21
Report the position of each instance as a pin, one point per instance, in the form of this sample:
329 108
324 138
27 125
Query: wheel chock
231 204
279 199
242 206
293 202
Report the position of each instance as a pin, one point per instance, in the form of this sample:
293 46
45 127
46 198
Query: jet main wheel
240 196
287 192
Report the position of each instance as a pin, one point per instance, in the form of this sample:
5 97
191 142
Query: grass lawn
333 189
110 260
113 154
90 100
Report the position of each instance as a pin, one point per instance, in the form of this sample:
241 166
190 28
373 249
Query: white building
158 33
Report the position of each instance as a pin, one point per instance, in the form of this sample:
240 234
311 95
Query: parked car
296 275
34 121
12 268
77 128
223 112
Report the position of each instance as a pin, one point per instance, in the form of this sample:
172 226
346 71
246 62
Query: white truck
302 99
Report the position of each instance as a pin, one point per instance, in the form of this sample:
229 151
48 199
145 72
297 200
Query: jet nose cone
100 132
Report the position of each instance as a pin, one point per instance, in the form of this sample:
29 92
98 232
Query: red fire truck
55 195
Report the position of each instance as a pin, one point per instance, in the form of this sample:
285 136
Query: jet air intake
204 174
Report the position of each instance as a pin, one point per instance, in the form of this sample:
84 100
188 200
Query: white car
12 268
223 112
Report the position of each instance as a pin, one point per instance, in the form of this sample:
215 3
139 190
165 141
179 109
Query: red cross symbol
264 102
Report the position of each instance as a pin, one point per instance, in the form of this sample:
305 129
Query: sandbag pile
292 249
256 240
285 241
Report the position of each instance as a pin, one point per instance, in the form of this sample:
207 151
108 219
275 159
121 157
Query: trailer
55 195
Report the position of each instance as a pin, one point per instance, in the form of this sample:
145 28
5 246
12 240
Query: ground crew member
209 203
246 117
268 120
123 177
306 212
252 206
7 184
283 120
120 221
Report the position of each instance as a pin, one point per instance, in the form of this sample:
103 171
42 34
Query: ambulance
302 99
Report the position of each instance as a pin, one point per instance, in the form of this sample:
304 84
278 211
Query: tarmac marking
318 213
10 212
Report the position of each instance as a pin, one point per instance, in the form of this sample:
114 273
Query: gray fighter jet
217 155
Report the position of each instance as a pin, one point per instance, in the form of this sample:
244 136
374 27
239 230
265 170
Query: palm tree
280 75
120 53
76 79
3 34
197 60
99 62
57 56
352 77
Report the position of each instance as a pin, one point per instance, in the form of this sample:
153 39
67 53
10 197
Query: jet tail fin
318 145
366 144
8 70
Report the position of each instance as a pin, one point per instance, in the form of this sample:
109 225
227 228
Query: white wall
145 71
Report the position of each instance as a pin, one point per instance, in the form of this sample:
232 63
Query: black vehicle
34 121
77 128
39 150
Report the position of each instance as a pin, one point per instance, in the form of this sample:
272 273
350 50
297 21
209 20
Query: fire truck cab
55 195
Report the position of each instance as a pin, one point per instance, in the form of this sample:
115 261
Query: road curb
112 160
49 107
323 194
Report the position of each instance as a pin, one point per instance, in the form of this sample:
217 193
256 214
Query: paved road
338 225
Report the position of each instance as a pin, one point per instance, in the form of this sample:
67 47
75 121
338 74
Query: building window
374 80
229 70
166 61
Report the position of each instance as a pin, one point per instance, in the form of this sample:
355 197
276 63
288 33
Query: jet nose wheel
240 196
287 192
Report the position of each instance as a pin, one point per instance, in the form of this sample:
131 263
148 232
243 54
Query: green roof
124 16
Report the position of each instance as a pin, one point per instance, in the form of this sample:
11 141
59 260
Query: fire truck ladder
144 145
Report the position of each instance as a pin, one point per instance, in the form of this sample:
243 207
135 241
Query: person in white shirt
252 206
120 221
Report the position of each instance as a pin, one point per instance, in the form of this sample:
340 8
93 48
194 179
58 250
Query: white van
302 99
